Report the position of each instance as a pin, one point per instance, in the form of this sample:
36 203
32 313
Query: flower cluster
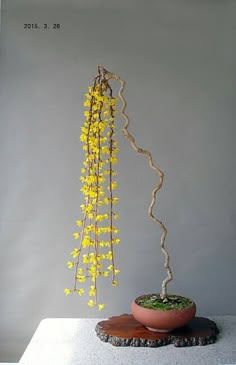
97 233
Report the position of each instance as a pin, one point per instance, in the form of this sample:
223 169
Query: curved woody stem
109 75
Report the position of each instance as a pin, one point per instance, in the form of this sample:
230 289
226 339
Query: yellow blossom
83 137
105 149
86 103
106 200
67 291
115 240
91 303
85 259
80 291
109 255
70 264
75 252
86 241
81 278
92 291
113 160
104 243
113 185
101 306
86 113
101 217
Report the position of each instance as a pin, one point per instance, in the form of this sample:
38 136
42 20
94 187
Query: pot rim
166 310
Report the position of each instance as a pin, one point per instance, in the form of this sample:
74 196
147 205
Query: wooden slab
124 330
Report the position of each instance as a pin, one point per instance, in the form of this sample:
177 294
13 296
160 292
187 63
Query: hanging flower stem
94 256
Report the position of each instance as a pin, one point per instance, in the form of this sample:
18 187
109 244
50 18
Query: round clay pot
162 320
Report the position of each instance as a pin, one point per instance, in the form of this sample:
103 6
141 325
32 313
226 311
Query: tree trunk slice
124 330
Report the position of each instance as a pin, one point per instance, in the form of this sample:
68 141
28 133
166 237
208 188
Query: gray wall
178 59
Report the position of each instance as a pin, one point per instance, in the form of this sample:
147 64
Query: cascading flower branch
97 233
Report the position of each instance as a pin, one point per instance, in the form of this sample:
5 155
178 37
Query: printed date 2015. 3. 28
43 26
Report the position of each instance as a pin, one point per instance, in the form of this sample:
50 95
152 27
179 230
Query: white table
68 341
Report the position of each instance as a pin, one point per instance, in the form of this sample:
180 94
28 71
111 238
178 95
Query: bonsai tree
97 234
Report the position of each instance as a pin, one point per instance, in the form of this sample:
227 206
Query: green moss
154 301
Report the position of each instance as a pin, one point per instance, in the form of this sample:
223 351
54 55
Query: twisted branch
108 75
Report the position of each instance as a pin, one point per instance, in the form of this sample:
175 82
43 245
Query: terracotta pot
162 320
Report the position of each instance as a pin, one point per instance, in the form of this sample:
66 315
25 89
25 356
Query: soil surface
154 301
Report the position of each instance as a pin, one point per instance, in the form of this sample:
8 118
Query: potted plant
94 255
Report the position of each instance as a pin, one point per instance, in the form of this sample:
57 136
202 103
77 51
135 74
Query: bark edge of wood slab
124 330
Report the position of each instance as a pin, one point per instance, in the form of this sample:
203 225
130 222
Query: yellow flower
105 149
85 259
67 291
109 255
86 103
113 185
91 303
81 278
83 137
104 243
90 215
86 241
80 291
86 113
91 179
92 270
114 283
70 264
92 291
101 306
116 271
84 130
75 252
76 235
115 240
105 273
79 223
113 160
92 258
101 217
106 200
